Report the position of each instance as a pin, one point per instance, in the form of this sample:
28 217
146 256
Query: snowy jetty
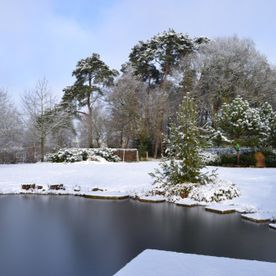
106 195
220 209
154 199
163 263
187 202
272 225
257 217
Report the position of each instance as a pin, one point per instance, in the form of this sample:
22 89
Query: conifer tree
92 76
183 161
246 125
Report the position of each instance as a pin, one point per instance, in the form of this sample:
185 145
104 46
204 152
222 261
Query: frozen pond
66 235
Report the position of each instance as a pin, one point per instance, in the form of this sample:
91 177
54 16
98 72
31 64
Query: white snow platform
106 195
257 217
154 199
220 209
164 263
272 225
187 202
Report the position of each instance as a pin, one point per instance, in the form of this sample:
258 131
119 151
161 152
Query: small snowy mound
82 154
214 192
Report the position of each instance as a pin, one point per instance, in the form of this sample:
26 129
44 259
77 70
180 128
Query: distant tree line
136 106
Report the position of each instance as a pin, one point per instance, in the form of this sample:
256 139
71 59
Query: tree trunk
90 127
42 148
156 148
89 119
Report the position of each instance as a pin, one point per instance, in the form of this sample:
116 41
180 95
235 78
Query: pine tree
154 59
92 76
246 125
183 161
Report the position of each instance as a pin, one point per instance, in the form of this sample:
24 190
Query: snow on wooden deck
272 225
154 199
164 263
106 195
187 202
220 209
257 217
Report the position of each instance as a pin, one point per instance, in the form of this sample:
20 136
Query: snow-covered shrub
169 191
106 153
209 157
247 125
214 192
82 154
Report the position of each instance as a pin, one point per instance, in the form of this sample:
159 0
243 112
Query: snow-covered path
258 186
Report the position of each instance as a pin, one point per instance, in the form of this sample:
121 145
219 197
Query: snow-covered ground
257 186
156 262
129 178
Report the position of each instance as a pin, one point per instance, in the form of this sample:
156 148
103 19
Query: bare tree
43 115
10 123
126 109
230 67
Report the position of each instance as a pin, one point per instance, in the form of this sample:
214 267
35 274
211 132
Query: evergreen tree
183 161
153 62
246 125
92 77
154 59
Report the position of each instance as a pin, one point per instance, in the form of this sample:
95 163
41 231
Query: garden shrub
79 154
247 159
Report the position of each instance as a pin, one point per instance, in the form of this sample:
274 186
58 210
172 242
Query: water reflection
50 235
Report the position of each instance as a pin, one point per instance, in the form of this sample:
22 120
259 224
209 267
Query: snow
220 208
152 198
272 225
130 178
106 195
219 190
258 217
186 202
155 262
257 186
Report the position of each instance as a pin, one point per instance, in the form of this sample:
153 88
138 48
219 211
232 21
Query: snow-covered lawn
156 262
257 186
120 177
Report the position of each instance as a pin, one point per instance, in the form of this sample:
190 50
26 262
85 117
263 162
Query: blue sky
46 38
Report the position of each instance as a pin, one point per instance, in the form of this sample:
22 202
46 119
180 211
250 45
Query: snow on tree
273 131
126 105
43 116
11 128
183 161
229 67
153 62
154 59
244 124
92 77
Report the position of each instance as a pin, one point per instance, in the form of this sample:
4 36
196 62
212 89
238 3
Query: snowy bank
257 186
156 262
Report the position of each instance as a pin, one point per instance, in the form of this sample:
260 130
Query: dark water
48 235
